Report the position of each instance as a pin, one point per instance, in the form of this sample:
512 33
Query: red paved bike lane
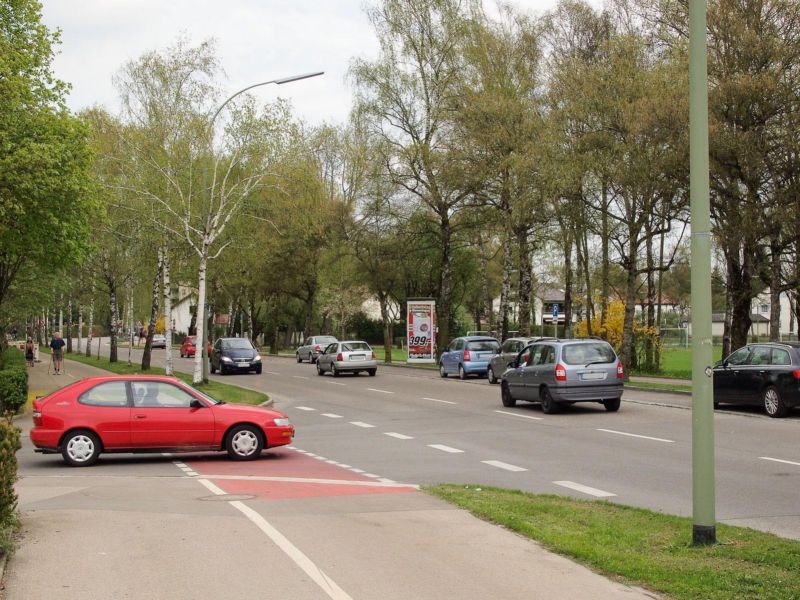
288 473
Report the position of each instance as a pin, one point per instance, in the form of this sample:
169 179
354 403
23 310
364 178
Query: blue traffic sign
555 310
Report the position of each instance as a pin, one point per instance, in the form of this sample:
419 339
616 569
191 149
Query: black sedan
766 375
232 355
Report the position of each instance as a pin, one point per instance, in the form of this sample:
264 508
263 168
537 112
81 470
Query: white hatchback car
350 357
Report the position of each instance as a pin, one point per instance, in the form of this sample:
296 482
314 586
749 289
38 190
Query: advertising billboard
421 336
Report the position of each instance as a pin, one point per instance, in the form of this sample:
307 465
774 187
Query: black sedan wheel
773 403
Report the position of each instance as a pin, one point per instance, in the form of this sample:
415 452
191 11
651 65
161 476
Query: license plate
357 356
594 376
243 364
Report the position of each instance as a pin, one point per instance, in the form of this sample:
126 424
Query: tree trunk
649 360
525 286
151 324
505 287
130 323
80 327
383 299
445 285
90 333
69 326
605 285
568 273
168 365
199 356
628 351
112 353
775 286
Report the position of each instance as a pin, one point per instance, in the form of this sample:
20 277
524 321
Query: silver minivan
508 352
312 347
558 373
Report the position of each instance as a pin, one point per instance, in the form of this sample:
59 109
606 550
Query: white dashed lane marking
379 391
780 460
361 424
304 408
398 436
444 448
634 435
299 377
334 382
442 401
272 372
503 412
332 415
585 489
502 465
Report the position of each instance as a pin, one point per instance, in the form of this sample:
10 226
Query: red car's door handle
139 416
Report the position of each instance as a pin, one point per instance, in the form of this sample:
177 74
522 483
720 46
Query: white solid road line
503 412
502 465
585 489
779 460
379 391
444 448
332 415
304 408
442 401
380 483
644 437
398 436
361 424
316 574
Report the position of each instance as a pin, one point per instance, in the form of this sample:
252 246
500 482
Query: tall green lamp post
703 488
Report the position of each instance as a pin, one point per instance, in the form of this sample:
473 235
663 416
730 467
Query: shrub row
13 394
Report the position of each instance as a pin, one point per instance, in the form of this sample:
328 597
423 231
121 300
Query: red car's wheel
244 442
80 448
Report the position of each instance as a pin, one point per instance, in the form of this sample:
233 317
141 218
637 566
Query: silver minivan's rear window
484 346
581 354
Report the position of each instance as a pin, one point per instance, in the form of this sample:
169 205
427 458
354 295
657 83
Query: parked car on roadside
765 375
347 357
159 341
189 346
313 347
507 353
135 413
558 373
231 355
468 355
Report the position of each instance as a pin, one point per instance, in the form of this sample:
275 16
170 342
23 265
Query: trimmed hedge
13 390
9 444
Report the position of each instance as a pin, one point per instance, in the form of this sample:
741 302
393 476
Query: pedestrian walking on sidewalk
29 350
57 346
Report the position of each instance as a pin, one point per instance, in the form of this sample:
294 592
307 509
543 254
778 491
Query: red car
190 344
131 413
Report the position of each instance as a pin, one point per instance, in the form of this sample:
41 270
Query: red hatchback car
125 413
189 346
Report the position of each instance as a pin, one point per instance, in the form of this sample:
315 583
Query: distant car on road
351 356
508 352
313 347
468 355
189 346
159 341
134 413
231 355
558 373
765 375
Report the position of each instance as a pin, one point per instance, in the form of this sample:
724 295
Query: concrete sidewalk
141 529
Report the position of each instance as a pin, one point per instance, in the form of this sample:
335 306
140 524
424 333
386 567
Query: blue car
468 356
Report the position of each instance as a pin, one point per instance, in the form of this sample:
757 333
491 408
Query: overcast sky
257 40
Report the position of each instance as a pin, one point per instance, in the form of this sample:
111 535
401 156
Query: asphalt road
411 426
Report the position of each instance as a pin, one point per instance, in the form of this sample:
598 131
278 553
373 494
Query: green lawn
646 548
677 362
215 389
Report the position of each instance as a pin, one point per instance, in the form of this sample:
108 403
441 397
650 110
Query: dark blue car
468 355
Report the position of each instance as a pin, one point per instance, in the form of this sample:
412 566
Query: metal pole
703 500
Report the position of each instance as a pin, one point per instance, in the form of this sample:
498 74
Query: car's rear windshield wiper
596 362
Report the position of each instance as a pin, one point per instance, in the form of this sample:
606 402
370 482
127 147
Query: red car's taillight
796 373
561 372
621 371
339 357
317 348
466 355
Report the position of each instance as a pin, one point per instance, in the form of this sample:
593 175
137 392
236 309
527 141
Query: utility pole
704 529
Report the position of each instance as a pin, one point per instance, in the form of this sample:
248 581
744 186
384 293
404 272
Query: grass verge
215 389
642 547
663 387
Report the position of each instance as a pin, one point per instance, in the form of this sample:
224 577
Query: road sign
555 310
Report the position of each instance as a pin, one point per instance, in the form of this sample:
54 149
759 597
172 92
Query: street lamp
280 81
